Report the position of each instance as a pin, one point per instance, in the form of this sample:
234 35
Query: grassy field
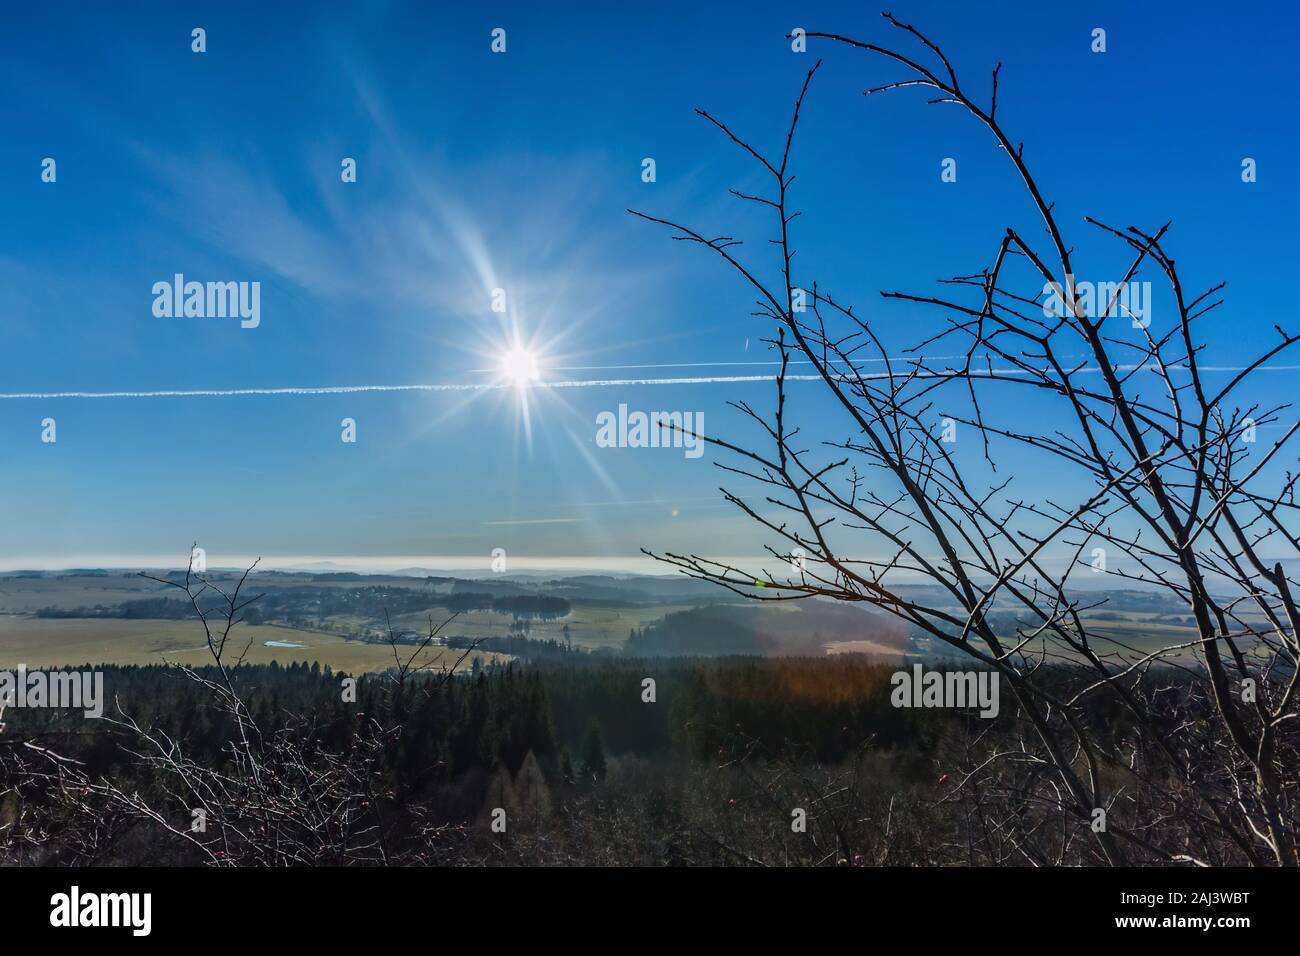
32 594
53 643
1134 639
589 627
835 628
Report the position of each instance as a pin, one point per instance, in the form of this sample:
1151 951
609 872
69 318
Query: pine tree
593 753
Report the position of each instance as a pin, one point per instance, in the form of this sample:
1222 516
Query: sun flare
520 367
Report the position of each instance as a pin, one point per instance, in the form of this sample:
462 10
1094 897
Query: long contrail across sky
431 387
573 383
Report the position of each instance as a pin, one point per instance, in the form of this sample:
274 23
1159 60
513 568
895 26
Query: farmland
346 621
54 643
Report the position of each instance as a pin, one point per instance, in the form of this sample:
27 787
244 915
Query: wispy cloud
535 521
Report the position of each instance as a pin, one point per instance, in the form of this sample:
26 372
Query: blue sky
478 170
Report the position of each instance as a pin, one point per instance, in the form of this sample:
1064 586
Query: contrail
572 383
228 392
597 368
355 389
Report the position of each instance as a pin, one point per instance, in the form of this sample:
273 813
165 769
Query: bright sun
520 366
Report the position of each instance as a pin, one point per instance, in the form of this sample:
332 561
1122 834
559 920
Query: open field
25 595
589 627
53 643
1131 624
1143 635
872 648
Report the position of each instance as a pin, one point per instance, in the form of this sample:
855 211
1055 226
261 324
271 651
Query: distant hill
810 627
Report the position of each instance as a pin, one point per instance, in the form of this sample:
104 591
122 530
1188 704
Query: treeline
156 608
300 605
494 717
518 606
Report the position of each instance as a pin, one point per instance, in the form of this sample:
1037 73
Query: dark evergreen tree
593 753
